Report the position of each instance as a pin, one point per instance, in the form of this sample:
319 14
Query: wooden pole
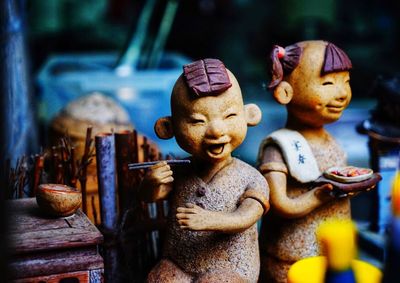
106 173
124 150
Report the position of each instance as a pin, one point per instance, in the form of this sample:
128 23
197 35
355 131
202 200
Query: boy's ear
253 114
283 93
163 128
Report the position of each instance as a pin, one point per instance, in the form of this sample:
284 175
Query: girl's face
317 100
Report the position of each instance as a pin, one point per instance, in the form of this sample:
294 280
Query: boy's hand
157 182
158 174
193 217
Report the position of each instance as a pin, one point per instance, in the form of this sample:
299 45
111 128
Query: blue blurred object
346 276
17 128
392 262
145 94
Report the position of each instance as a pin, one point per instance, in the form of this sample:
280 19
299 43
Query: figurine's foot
168 272
221 276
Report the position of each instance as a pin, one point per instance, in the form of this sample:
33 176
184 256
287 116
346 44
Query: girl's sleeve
272 160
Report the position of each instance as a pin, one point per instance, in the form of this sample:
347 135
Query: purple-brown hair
335 60
283 64
206 77
284 61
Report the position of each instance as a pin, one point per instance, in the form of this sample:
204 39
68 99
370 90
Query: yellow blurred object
396 194
338 242
312 270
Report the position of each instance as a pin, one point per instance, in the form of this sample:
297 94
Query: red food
350 172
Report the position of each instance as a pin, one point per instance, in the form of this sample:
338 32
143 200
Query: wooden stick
73 167
39 163
135 146
21 182
83 175
144 165
22 175
145 148
60 175
63 161
96 221
9 176
54 164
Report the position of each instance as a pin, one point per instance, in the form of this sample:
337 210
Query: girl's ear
163 128
283 93
253 114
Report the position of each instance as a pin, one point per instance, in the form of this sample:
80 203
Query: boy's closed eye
327 83
230 115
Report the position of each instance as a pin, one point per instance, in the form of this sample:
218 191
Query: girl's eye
327 83
230 115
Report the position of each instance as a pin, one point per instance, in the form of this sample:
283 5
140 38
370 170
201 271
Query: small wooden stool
50 250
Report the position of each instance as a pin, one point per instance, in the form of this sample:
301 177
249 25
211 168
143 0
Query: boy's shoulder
244 169
238 163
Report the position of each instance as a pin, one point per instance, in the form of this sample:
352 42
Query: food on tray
350 171
348 174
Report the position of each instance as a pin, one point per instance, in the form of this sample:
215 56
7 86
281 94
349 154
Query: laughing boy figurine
217 199
312 80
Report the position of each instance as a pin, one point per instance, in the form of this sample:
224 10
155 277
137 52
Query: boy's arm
252 205
157 183
193 217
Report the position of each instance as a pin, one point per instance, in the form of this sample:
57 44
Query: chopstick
144 165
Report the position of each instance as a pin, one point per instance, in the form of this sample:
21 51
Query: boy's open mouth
216 149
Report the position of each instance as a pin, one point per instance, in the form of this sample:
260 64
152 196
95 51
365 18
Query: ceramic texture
58 200
217 199
313 98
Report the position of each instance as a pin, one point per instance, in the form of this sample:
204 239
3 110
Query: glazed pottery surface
58 200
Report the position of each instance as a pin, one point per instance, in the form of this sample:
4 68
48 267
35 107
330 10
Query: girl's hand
324 192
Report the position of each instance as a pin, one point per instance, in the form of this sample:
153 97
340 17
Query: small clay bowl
58 200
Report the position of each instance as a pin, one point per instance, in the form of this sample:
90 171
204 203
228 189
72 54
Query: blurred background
239 32
59 33
58 51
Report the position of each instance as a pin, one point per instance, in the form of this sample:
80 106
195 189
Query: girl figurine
312 80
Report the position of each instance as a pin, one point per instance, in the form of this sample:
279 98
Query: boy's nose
215 129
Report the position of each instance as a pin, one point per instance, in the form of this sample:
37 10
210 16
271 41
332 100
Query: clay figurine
216 200
312 80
